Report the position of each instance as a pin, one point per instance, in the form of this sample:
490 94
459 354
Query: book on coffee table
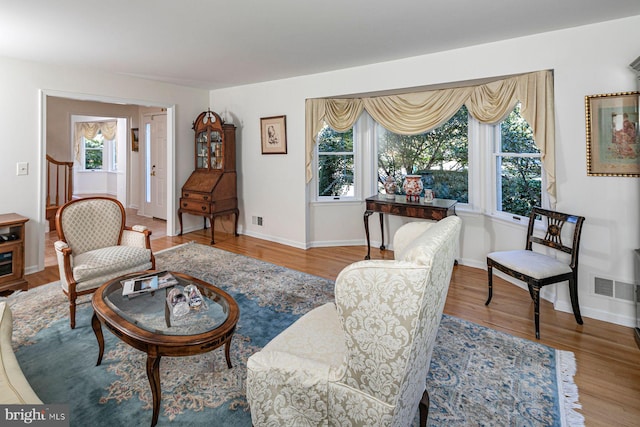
146 283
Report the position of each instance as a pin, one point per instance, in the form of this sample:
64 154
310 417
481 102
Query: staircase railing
57 173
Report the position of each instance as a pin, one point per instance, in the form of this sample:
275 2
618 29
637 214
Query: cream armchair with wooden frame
95 246
538 268
364 359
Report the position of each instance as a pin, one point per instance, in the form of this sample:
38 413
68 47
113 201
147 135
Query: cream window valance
419 112
89 130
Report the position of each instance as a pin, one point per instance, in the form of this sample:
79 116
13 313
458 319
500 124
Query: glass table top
153 312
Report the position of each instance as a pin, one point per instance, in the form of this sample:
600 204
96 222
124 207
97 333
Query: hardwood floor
608 360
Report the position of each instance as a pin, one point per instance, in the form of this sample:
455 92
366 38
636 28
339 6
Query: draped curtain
419 112
89 130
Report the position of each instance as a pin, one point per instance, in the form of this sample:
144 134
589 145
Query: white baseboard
275 240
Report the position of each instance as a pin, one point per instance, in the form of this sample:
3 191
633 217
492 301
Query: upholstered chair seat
531 263
363 359
95 246
101 262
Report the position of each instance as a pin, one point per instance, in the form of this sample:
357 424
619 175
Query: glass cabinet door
216 150
202 150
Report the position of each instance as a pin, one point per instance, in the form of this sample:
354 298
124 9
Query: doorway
154 137
56 124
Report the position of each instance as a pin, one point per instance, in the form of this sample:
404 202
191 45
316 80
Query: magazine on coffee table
147 283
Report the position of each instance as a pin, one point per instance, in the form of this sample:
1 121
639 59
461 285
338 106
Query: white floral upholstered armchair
95 246
363 360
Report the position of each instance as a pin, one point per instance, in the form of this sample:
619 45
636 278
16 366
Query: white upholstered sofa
14 387
363 360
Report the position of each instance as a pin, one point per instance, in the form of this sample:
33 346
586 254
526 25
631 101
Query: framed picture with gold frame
613 140
273 132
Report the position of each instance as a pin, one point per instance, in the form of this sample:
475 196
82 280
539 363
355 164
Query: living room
586 60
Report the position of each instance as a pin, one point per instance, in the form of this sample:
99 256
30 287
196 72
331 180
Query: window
336 164
95 142
440 156
518 166
496 169
93 152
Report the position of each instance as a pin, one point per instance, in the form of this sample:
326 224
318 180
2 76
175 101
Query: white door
155 168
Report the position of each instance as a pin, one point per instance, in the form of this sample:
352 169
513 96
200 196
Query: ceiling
215 44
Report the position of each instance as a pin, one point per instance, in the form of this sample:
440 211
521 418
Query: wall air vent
614 289
624 291
603 287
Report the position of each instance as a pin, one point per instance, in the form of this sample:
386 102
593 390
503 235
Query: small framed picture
274 135
613 142
135 141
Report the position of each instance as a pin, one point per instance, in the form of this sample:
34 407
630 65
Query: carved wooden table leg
97 329
226 352
367 214
235 230
380 214
153 373
212 221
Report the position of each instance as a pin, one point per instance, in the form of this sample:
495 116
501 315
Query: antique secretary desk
211 190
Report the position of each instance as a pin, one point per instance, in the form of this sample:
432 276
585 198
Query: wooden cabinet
12 252
211 190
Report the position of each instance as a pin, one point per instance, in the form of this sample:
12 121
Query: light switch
23 168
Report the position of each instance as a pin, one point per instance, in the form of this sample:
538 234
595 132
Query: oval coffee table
146 323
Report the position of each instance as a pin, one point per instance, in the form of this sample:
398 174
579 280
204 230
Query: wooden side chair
540 269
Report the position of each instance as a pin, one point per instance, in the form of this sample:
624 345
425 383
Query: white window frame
113 154
104 150
109 157
471 168
361 164
494 148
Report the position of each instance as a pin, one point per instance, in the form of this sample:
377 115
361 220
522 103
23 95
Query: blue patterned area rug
478 376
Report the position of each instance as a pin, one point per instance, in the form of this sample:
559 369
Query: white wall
21 130
586 60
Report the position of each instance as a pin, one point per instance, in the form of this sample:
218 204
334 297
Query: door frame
171 180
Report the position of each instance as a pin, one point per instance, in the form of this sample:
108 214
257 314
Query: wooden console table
436 210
